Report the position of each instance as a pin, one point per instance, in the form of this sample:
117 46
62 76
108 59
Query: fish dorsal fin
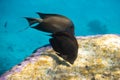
42 15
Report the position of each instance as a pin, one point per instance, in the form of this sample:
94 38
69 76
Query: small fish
52 23
5 25
66 45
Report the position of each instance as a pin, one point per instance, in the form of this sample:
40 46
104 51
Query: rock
98 59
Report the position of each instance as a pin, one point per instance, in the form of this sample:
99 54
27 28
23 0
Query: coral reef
98 59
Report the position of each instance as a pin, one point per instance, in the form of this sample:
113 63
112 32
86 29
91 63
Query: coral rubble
98 59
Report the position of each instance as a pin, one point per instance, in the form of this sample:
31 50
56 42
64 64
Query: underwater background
90 17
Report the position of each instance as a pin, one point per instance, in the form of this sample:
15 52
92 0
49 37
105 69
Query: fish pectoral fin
64 56
31 20
57 53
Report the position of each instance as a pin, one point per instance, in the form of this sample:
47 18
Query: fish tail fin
31 20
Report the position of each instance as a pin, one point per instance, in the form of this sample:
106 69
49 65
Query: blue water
90 17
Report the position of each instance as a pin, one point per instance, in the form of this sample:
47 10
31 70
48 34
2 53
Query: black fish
66 45
52 23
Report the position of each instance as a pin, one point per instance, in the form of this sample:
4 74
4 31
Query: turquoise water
90 17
